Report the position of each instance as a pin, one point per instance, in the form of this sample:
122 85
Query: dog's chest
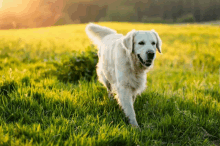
138 81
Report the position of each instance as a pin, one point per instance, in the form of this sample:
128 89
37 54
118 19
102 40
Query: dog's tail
96 32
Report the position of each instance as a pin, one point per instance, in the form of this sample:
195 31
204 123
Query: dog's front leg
126 102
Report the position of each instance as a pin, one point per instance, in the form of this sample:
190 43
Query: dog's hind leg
106 83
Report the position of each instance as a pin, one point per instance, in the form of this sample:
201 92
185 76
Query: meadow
49 94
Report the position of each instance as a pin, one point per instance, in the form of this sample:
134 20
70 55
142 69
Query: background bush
80 65
186 18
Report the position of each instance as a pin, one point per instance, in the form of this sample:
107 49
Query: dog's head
144 45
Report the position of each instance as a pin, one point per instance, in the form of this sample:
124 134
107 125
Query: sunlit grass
181 105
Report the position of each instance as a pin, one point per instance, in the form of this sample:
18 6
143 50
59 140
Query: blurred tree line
42 13
143 10
187 10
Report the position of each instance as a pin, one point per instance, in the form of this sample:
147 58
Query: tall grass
49 94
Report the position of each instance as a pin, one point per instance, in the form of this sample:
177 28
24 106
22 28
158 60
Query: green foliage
80 65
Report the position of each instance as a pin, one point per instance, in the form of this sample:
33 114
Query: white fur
119 69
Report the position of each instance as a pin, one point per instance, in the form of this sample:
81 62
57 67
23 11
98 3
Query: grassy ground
181 105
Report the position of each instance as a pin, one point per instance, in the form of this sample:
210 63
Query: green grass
181 105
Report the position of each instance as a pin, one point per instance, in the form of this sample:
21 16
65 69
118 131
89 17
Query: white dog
124 62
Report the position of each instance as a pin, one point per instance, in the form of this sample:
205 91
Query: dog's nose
150 54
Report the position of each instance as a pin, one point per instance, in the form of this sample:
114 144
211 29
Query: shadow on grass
8 87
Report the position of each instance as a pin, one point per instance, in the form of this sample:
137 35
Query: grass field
181 105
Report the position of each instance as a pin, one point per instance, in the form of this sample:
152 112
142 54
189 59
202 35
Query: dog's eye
141 43
153 43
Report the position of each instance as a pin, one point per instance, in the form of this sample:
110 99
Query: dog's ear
128 41
159 41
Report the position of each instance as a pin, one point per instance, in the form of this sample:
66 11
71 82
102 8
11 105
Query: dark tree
177 10
102 13
86 12
139 10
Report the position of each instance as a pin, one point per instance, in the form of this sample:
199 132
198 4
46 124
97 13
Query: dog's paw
136 126
134 123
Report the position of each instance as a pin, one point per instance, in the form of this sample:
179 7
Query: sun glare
1 3
13 5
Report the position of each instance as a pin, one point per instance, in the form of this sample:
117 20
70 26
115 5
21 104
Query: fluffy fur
124 62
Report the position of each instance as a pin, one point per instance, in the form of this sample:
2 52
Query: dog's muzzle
150 58
145 63
150 55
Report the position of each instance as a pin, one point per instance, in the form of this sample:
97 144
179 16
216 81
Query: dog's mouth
146 63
